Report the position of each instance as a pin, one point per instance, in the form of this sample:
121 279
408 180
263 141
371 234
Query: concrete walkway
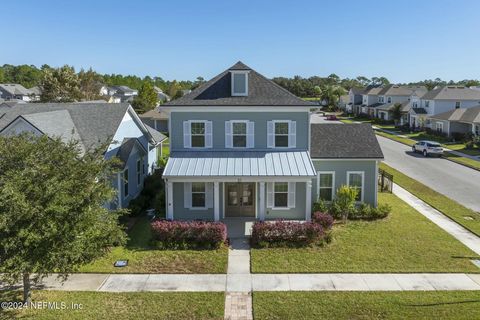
246 283
460 233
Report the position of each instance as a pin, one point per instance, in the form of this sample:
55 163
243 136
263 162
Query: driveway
457 182
319 118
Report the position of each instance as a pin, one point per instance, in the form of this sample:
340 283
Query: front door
239 199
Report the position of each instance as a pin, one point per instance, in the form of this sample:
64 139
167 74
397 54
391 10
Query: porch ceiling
239 164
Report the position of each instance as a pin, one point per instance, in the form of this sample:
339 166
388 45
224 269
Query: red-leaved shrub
286 234
188 234
323 219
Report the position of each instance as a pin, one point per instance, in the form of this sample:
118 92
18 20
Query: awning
239 164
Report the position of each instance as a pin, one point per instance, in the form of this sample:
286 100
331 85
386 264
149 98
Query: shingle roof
154 114
396 90
344 141
373 91
123 153
462 115
156 135
391 106
96 123
236 164
419 110
261 92
452 93
357 90
15 89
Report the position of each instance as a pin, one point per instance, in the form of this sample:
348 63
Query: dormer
239 80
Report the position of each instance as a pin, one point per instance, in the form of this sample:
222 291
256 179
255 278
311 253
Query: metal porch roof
236 164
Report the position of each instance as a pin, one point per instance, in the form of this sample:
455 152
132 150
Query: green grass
405 241
102 305
460 147
403 140
448 207
456 305
166 148
143 259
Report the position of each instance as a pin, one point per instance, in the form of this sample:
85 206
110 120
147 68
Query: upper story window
389 99
281 134
427 104
197 134
457 104
239 134
239 83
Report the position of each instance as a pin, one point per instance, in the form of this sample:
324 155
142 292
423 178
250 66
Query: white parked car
427 148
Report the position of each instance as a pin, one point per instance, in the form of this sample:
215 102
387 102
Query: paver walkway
460 233
238 297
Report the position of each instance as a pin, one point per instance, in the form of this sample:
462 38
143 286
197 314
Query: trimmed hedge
286 234
323 219
188 234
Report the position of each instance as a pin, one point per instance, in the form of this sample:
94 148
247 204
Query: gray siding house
94 125
240 147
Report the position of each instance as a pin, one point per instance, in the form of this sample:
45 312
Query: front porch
251 185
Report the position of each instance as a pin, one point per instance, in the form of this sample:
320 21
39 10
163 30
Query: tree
90 84
147 98
397 112
331 95
60 85
52 208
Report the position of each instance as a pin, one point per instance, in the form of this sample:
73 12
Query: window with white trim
427 104
281 134
280 194
439 127
197 130
198 195
457 104
239 83
139 174
239 134
389 99
477 130
326 183
125 182
355 179
197 134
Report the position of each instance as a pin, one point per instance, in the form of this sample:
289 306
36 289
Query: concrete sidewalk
266 282
466 237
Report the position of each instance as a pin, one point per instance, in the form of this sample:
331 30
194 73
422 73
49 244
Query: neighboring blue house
242 146
94 125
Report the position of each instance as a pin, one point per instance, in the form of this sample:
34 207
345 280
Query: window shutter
228 134
208 134
269 195
292 134
187 133
209 194
250 134
270 134
187 195
291 194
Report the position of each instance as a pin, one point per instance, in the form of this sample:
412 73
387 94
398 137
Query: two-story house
391 95
15 91
354 100
369 101
115 127
241 147
440 100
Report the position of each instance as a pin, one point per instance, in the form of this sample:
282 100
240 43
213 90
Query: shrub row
363 211
286 234
188 234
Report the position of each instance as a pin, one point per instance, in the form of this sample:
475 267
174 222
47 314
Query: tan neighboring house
462 120
156 119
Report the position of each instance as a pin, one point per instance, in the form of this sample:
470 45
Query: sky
403 40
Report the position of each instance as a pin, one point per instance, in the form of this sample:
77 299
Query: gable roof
124 151
261 92
356 90
391 106
15 89
372 91
344 141
397 90
95 123
156 135
462 115
452 93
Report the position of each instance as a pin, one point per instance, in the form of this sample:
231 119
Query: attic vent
239 83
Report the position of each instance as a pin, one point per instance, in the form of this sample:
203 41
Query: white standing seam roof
235 164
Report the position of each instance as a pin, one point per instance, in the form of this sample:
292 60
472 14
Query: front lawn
102 305
405 241
143 259
367 305
463 216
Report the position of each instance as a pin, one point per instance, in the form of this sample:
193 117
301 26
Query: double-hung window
197 130
427 104
477 129
280 196
457 104
326 182
355 179
125 182
281 134
439 127
239 134
198 195
389 99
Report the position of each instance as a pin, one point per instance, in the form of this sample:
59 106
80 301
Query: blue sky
404 40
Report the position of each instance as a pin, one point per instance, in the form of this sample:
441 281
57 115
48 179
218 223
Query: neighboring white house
161 96
15 91
117 94
440 100
462 120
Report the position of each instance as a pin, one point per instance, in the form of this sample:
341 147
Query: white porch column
120 187
261 204
216 201
169 200
308 205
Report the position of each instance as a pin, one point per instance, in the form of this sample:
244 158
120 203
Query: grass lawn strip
405 241
102 305
447 206
456 305
143 259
